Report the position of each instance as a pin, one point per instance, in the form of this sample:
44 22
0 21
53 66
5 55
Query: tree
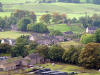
56 53
56 18
19 14
71 55
22 40
32 16
90 56
43 50
5 48
97 34
20 48
2 23
22 24
87 38
45 18
40 28
96 1
1 9
55 33
86 21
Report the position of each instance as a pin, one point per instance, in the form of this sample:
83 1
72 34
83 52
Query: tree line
70 1
86 55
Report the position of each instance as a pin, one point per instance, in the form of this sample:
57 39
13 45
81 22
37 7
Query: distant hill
51 1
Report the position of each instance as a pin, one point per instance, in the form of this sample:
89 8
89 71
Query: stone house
14 27
91 30
8 41
7 66
32 59
10 64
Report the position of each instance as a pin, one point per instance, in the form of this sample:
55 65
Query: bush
90 56
87 38
71 55
56 53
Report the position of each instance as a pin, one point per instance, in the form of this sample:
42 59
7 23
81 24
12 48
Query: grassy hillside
9 34
63 28
71 68
71 9
16 1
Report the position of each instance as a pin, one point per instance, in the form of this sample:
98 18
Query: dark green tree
43 50
5 48
90 56
87 38
40 28
22 24
56 53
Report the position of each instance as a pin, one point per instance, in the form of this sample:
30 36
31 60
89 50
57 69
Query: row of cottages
19 62
45 39
10 64
32 59
8 41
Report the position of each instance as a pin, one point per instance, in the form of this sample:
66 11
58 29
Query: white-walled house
91 30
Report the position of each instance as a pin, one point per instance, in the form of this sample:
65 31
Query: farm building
91 30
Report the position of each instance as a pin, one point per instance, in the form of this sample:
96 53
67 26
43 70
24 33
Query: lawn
4 14
60 27
67 44
11 34
76 28
71 68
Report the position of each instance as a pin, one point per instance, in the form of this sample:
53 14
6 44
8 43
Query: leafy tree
86 21
96 1
22 24
43 50
29 27
40 28
19 14
55 33
97 34
96 22
45 18
1 9
71 55
87 38
5 48
19 50
33 45
56 18
2 23
56 53
22 40
32 16
90 56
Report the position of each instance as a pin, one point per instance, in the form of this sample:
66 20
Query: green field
71 9
11 34
60 27
71 68
4 14
63 28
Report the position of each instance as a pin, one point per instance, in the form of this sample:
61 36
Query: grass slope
60 27
71 68
63 28
71 9
11 34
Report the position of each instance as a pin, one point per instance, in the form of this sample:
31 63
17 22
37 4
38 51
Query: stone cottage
32 59
91 30
10 64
